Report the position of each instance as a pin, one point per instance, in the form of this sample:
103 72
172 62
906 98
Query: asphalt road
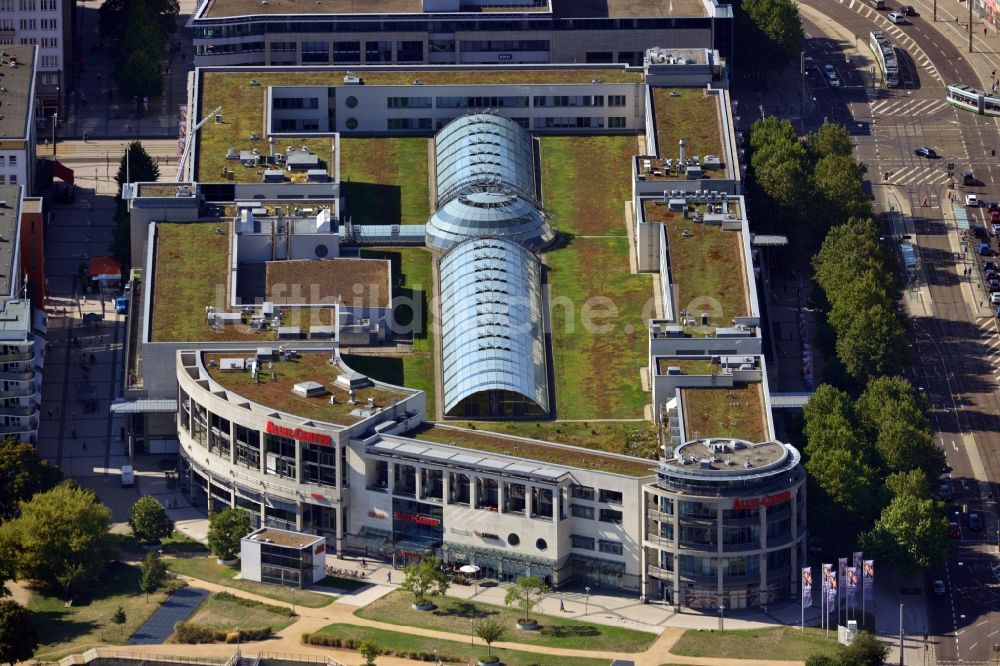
957 345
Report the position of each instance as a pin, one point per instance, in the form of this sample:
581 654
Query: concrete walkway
312 619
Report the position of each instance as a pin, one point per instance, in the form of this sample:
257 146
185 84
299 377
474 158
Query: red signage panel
303 436
767 500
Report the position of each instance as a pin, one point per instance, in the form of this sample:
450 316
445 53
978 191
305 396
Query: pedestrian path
177 608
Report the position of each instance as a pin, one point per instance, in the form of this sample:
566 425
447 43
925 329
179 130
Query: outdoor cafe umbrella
471 569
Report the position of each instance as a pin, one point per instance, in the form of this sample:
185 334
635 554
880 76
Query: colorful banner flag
852 585
842 568
868 580
859 558
829 584
807 587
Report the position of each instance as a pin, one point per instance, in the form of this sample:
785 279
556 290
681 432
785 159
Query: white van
128 476
897 18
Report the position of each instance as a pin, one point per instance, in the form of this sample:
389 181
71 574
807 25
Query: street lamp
586 602
722 614
55 122
472 631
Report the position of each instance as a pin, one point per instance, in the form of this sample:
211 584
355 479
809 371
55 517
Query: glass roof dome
495 214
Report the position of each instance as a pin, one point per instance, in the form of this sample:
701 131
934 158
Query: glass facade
492 340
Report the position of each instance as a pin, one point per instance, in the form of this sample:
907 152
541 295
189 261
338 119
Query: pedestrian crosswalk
908 107
918 175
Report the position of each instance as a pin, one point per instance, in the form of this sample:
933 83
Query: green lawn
413 286
781 643
175 543
385 179
599 340
190 274
634 438
221 611
689 114
479 440
586 181
206 568
599 337
450 651
452 613
65 630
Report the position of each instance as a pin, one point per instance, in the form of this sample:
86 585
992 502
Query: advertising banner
807 587
868 580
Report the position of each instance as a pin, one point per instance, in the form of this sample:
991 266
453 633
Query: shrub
191 633
251 603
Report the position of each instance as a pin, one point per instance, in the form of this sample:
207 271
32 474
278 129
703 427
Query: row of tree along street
141 30
868 443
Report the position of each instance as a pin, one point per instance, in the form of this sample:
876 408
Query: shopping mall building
268 391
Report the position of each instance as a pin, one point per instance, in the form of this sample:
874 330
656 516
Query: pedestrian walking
562 606
388 578
364 565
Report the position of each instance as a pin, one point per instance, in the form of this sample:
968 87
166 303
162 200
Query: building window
351 123
316 52
247 447
319 464
616 100
667 531
280 456
410 51
600 56
611 496
610 516
28 24
666 505
541 544
581 542
581 492
409 123
616 122
513 539
347 53
408 102
611 547
50 61
580 511
378 52
351 101
13 160
50 42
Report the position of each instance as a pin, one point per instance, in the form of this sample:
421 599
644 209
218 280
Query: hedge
326 640
188 632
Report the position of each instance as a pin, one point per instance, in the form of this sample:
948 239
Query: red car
954 531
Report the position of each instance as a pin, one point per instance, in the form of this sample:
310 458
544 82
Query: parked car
907 10
925 151
939 588
989 265
994 206
831 76
877 4
975 522
993 284
995 228
995 298
980 232
944 492
972 201
897 18
984 250
954 531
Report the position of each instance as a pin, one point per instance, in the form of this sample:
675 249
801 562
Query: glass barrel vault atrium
493 345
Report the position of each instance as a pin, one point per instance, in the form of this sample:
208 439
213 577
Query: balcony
17 357
693 546
18 411
660 541
660 516
25 376
739 547
657 572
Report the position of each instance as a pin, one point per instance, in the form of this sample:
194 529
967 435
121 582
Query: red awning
63 172
105 268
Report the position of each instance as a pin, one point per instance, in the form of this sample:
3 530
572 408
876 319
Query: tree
119 618
141 76
369 649
113 15
225 529
136 166
830 139
149 520
875 343
525 594
911 534
121 235
22 474
839 178
62 538
780 23
865 650
18 635
153 573
490 631
424 578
